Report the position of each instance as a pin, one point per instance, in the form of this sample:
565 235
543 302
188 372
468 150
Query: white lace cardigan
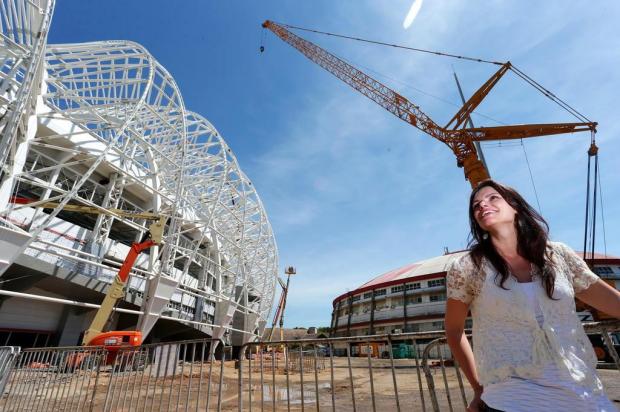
507 339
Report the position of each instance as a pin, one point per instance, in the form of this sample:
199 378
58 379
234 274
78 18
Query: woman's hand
476 403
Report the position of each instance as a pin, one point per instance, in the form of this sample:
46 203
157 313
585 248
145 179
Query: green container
403 351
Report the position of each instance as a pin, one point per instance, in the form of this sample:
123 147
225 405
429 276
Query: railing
408 371
164 377
8 354
371 373
53 378
454 392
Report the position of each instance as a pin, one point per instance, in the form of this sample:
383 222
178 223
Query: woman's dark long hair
532 236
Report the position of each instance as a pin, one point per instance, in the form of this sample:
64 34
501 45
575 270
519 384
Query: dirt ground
191 389
411 387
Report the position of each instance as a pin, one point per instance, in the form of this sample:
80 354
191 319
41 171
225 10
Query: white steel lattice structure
105 126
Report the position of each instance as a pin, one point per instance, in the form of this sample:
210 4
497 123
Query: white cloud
412 14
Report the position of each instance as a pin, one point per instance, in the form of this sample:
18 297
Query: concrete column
371 331
72 323
404 308
336 315
350 306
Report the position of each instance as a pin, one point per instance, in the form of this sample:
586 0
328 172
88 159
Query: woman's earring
485 235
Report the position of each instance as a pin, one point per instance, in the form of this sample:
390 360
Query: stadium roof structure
104 124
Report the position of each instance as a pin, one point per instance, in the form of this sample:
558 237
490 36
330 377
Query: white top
552 387
510 340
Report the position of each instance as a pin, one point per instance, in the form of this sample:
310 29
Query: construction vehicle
112 341
279 315
460 140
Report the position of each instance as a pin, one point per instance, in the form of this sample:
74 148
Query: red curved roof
436 267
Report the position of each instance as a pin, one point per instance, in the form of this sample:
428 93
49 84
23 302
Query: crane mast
459 140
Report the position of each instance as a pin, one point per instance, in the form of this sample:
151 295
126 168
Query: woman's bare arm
601 296
456 313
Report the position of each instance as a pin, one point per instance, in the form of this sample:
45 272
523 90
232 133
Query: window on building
414 299
356 298
396 289
412 327
437 324
396 302
436 282
367 295
380 292
412 286
438 298
603 270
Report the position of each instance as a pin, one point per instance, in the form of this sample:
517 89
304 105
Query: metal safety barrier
185 375
339 374
408 371
454 393
7 358
53 379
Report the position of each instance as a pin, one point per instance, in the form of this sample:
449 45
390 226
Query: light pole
288 272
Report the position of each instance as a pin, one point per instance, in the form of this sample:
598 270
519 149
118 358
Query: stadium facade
412 298
103 125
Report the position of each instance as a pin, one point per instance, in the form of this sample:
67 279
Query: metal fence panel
370 373
53 379
8 354
408 372
175 376
450 391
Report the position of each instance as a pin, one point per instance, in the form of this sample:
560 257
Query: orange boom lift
94 335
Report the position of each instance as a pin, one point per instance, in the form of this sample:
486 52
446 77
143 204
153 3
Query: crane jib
460 140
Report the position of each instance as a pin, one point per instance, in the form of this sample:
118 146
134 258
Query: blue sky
351 191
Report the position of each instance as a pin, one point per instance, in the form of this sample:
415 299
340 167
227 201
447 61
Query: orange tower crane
459 140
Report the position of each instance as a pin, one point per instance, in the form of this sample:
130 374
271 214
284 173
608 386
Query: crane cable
547 93
600 193
589 236
398 46
592 152
527 161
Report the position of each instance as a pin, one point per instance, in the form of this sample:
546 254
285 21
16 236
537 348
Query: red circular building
412 298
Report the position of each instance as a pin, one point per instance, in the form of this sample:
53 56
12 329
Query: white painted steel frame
111 130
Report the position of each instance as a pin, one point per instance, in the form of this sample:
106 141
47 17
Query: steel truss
112 131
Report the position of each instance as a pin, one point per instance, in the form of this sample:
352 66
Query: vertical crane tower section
459 140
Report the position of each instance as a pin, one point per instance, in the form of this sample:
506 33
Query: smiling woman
529 346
